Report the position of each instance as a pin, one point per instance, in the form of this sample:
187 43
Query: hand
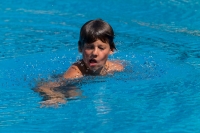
54 102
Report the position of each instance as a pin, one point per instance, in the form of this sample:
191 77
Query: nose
95 52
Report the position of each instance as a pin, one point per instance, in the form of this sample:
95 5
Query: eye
101 48
89 46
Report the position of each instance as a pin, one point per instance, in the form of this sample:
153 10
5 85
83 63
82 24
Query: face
96 54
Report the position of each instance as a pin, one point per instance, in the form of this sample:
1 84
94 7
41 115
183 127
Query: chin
94 68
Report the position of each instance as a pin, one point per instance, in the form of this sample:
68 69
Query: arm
54 93
50 97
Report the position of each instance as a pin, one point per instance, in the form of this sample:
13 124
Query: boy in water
96 44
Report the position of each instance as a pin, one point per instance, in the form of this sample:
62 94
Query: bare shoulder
115 66
73 72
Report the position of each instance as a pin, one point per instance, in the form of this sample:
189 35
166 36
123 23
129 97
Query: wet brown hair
94 30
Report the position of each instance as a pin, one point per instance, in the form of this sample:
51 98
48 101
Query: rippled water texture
158 91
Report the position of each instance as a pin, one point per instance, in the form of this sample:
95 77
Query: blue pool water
158 92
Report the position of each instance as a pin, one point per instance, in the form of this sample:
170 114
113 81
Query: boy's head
96 30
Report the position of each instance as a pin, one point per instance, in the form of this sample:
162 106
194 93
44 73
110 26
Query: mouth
92 62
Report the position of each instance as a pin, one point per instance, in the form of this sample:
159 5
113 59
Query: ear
80 49
111 51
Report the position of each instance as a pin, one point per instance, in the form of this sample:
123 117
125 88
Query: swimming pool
157 92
